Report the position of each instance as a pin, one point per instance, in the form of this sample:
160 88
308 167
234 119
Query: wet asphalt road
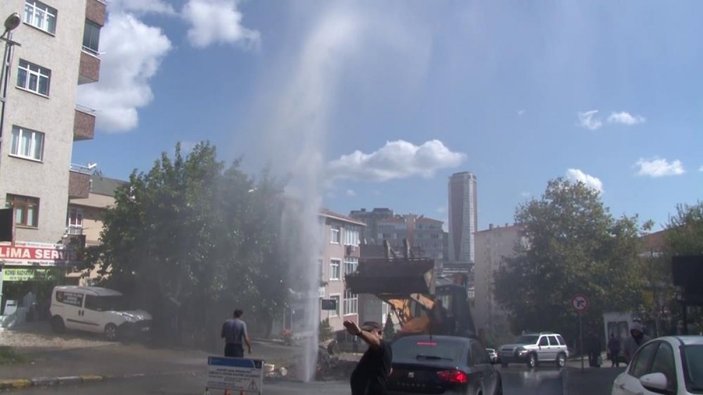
517 381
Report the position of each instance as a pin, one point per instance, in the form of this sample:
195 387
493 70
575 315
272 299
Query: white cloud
588 120
700 168
397 159
350 193
217 21
589 180
659 167
625 118
133 53
520 112
141 6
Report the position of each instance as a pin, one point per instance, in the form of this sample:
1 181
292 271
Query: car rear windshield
693 363
428 349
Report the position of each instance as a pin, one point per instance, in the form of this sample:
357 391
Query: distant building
493 245
370 233
463 221
425 235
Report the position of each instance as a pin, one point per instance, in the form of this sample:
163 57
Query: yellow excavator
407 284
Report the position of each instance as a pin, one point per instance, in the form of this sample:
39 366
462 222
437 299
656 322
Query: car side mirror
656 382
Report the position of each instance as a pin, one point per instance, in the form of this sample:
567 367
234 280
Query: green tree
191 240
572 245
684 233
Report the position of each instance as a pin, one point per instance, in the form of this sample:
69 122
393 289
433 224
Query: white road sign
237 374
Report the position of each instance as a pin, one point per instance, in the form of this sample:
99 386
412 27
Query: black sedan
449 365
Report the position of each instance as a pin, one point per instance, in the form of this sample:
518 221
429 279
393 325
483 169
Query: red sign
36 254
580 303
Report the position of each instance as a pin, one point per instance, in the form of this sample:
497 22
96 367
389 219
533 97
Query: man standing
234 331
369 376
634 342
614 350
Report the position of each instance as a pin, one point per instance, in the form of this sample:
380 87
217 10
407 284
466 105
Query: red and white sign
22 253
580 303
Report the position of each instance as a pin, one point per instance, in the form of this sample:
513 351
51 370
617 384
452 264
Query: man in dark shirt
369 376
234 331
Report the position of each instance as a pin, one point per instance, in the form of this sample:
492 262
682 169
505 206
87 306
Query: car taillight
453 376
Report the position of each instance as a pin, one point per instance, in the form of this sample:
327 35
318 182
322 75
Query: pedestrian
234 331
593 347
370 374
636 339
614 350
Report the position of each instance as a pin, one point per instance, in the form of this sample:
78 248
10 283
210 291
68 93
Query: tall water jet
299 125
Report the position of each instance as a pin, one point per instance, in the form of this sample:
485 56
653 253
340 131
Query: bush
8 356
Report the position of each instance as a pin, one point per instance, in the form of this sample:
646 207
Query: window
33 78
334 269
40 16
334 235
75 221
91 37
642 360
664 363
543 341
351 302
72 298
26 209
27 143
351 236
335 312
350 265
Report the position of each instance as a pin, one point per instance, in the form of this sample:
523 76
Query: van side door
70 305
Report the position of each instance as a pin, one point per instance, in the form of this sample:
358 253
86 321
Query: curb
19 384
16 384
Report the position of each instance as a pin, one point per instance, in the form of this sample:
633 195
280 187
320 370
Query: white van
95 309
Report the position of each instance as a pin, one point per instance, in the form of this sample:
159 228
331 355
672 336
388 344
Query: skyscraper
463 220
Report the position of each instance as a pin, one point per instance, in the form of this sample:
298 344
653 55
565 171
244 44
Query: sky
376 103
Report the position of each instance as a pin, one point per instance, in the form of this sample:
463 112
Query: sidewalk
76 357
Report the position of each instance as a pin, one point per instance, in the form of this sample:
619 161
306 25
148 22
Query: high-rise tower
462 218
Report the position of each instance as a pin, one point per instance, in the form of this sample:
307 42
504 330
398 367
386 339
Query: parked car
448 365
665 365
493 355
95 309
535 348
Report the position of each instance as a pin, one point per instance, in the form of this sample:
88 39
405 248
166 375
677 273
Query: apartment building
492 246
50 47
340 255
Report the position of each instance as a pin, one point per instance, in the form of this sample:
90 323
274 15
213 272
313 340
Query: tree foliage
191 240
684 235
572 245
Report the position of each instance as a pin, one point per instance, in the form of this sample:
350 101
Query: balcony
79 182
89 69
83 124
95 11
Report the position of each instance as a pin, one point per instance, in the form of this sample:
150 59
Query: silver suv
535 348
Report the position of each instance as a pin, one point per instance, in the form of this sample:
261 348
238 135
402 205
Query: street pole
581 339
11 23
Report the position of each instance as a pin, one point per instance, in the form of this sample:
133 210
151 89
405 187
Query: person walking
614 350
374 367
636 339
234 331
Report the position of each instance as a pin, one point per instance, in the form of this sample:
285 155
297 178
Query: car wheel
561 360
532 360
57 324
111 332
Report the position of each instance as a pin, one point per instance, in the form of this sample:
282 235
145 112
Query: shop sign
28 274
31 253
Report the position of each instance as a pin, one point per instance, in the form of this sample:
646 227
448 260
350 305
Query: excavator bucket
392 278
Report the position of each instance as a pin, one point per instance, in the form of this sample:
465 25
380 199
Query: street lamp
11 23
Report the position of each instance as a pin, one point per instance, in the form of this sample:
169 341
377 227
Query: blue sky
376 103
